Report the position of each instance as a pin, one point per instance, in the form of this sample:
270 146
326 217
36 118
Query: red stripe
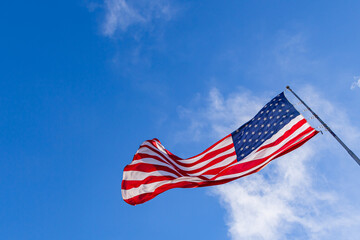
212 163
140 156
211 154
163 159
215 171
187 172
207 156
212 146
141 198
208 165
292 144
174 157
242 167
129 184
285 135
292 148
135 183
147 167
171 155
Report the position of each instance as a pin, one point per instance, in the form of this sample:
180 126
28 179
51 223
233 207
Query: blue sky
84 83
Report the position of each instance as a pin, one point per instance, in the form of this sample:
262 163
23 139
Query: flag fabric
277 129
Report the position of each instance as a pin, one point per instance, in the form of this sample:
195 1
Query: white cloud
332 113
121 14
214 117
283 202
286 200
356 83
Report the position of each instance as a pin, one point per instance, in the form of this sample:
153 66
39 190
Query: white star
252 148
283 105
250 140
278 117
244 140
259 133
262 125
242 155
255 125
247 147
280 110
281 123
274 124
287 110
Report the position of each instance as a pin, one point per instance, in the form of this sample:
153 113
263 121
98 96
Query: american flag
277 129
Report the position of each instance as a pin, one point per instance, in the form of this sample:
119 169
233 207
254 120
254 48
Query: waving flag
276 130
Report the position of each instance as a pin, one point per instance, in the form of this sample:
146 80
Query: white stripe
225 142
148 188
223 163
138 175
255 155
152 161
236 175
184 168
151 187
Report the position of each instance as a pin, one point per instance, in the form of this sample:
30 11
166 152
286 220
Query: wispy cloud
213 117
356 83
122 14
332 113
284 200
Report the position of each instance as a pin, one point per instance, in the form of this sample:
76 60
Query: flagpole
326 126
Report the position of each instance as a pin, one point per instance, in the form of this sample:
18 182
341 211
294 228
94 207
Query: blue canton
271 118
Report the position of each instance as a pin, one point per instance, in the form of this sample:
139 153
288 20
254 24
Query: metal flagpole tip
287 87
